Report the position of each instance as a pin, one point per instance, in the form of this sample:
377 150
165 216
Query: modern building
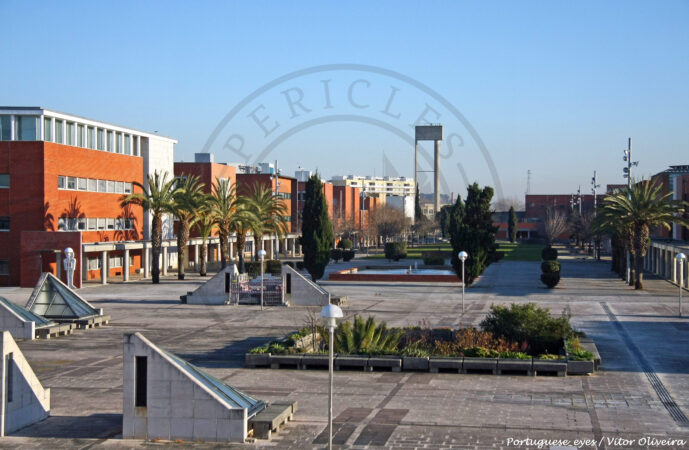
675 181
61 180
401 186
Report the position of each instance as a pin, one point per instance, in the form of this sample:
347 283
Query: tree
640 209
443 219
205 226
512 225
554 225
224 208
418 212
316 230
158 199
189 199
269 213
390 222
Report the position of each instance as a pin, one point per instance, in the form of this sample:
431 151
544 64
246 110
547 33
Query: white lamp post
680 257
261 256
331 313
462 257
69 263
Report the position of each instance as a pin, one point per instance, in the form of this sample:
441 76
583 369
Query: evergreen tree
443 219
316 230
512 225
418 212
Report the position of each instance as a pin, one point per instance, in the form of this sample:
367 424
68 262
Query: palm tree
205 226
640 209
158 198
189 199
269 213
242 223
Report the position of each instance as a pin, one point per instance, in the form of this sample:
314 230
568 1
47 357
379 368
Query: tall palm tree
242 223
158 198
229 212
269 212
189 199
205 226
640 209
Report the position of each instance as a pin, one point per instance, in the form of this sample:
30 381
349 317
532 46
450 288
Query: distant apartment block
397 186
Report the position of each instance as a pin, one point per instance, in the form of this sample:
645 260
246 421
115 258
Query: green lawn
415 252
520 252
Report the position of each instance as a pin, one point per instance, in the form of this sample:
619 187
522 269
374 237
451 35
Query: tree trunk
641 235
241 244
182 251
156 240
204 253
224 248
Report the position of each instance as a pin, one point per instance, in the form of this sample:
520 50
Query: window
127 144
80 135
27 126
94 263
119 187
135 146
118 142
5 180
111 186
127 188
47 129
70 133
108 141
91 137
81 183
93 185
5 128
101 224
71 183
61 224
9 363
110 224
91 224
81 223
4 223
101 139
141 376
115 261
58 131
4 267
102 186
128 225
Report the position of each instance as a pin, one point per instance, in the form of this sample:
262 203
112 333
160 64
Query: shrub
550 266
336 254
273 266
366 337
347 255
481 352
576 352
253 268
550 279
345 244
300 265
514 355
433 260
395 250
549 254
529 324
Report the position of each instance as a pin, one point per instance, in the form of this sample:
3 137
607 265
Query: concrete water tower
429 133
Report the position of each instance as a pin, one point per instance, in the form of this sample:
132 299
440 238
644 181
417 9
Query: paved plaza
641 391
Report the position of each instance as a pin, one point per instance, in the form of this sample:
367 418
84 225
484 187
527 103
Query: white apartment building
380 186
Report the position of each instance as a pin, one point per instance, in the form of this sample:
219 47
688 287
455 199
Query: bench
272 418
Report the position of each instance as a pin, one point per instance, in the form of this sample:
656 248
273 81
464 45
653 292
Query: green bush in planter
347 255
273 267
550 279
253 268
395 250
549 254
345 244
336 254
550 266
433 260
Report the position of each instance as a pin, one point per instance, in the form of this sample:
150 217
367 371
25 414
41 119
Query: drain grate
657 385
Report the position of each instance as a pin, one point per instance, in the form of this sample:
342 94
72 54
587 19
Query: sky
552 87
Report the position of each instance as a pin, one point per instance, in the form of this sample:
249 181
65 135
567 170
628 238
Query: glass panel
5 128
135 146
91 224
4 180
61 182
102 187
61 224
93 185
108 142
81 223
58 131
27 127
119 187
101 139
127 144
4 223
91 137
71 183
70 133
110 224
118 142
47 129
101 224
111 186
4 267
81 183
127 188
80 135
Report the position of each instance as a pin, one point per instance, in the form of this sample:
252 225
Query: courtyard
640 392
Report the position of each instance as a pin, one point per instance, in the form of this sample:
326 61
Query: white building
404 204
380 186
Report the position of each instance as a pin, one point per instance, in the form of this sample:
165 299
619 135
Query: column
231 244
675 278
293 248
146 260
104 267
196 257
284 247
164 261
125 265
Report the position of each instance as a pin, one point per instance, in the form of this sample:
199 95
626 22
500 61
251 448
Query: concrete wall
30 402
178 407
158 156
304 292
16 325
212 292
404 204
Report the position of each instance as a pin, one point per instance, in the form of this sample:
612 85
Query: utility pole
595 212
579 199
276 247
628 175
528 182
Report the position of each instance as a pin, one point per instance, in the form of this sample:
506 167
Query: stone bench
382 362
435 365
352 362
272 418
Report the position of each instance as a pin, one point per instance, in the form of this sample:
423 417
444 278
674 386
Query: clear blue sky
555 87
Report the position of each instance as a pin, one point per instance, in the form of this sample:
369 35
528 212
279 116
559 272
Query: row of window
113 262
27 128
93 185
93 224
285 195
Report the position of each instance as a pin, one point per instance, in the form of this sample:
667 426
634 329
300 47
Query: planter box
480 364
437 364
281 361
515 365
352 362
314 361
558 366
580 367
394 363
587 344
415 363
253 360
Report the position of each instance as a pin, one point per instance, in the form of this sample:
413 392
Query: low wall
304 292
353 275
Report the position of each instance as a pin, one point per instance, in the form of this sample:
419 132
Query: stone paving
382 409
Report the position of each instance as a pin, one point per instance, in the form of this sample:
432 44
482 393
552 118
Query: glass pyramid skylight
52 299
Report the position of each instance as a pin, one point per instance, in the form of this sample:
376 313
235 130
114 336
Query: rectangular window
9 363
91 224
111 186
71 183
102 186
101 224
70 133
127 188
91 137
61 182
61 224
27 128
94 263
4 267
4 180
81 184
4 223
110 224
115 261
128 224
141 380
118 142
101 139
127 144
72 223
81 223
58 131
108 141
135 146
5 128
80 135
47 129
119 187
93 185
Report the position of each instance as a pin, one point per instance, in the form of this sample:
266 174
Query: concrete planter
253 360
514 365
394 363
352 362
580 367
480 364
314 362
285 361
415 363
437 364
588 344
558 367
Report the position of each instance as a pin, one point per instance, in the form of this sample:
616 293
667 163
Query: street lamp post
462 257
331 313
680 257
261 256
